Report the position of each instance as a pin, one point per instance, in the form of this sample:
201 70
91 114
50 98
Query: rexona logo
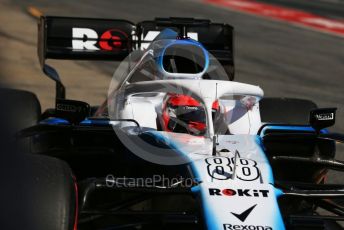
239 192
325 116
88 39
245 227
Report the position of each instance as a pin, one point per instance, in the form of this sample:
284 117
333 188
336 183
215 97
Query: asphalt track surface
285 60
327 8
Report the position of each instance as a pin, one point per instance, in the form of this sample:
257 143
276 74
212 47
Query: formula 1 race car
177 144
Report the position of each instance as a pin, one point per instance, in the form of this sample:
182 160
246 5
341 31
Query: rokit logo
245 227
87 39
112 39
325 116
239 192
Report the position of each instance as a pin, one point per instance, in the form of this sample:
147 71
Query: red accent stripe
200 126
75 227
216 105
297 17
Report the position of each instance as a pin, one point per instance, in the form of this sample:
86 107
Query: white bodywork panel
141 111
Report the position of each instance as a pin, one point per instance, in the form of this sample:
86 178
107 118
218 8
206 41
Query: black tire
286 110
51 194
22 108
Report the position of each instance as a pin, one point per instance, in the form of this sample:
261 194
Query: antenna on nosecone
217 100
216 136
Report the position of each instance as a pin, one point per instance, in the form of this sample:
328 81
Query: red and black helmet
184 114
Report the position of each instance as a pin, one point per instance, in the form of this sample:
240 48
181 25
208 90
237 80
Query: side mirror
71 110
322 118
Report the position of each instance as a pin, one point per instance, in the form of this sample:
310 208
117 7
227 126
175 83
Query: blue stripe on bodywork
86 122
95 122
279 223
300 128
54 121
259 142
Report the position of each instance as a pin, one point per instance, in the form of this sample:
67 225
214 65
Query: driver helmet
184 114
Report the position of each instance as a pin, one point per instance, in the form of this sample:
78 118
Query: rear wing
113 39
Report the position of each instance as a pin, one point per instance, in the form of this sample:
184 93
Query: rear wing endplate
113 39
84 38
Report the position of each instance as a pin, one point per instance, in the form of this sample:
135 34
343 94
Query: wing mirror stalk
52 74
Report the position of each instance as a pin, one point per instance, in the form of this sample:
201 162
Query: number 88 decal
221 168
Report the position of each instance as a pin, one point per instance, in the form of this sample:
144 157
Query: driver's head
184 114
